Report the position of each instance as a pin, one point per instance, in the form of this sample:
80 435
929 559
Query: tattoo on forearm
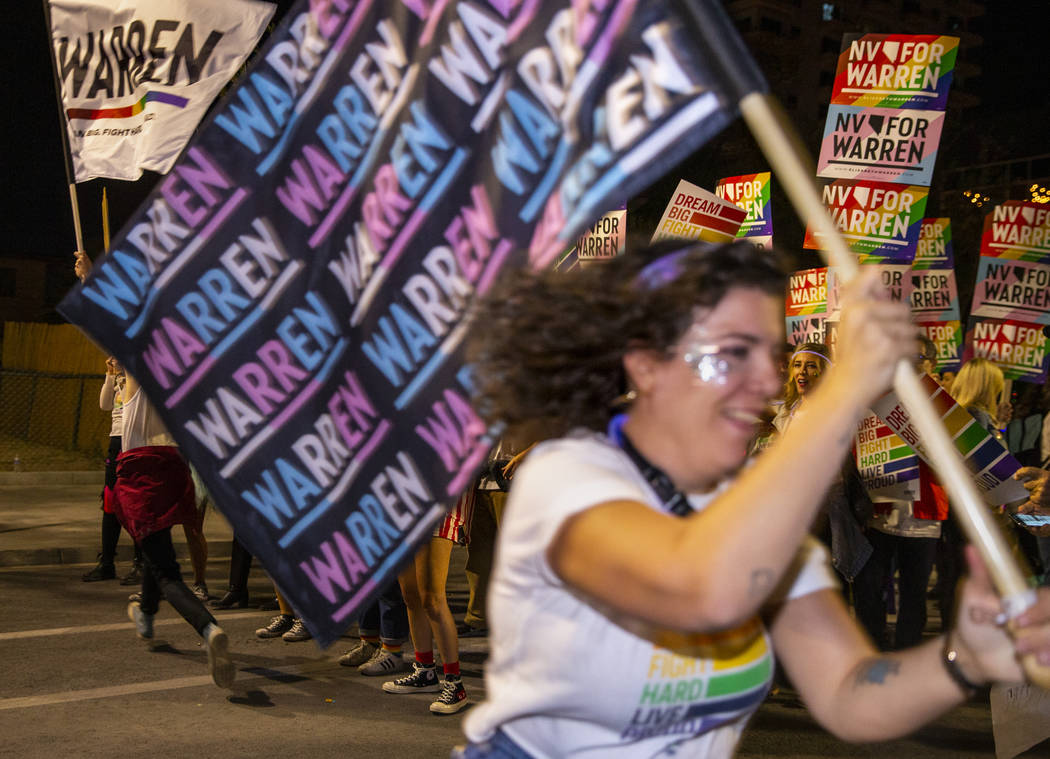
876 671
761 581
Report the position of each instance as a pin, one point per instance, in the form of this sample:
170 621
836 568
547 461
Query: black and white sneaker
297 632
384 662
278 626
453 697
423 679
217 645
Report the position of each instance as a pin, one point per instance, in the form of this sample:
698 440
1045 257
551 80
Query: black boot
234 598
103 571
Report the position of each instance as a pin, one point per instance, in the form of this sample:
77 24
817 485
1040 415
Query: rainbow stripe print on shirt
93 114
697 682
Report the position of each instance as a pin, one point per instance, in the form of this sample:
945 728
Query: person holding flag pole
643 553
700 372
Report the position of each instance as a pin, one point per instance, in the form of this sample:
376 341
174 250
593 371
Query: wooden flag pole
793 166
105 220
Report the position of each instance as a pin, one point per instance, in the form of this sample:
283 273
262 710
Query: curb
27 557
52 478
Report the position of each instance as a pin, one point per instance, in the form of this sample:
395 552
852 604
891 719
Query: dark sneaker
100 572
297 632
359 654
220 665
464 630
423 679
134 577
143 621
453 697
200 590
384 662
232 599
278 626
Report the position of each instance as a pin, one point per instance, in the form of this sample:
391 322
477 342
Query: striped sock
373 639
393 648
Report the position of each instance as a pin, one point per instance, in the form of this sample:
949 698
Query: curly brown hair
548 347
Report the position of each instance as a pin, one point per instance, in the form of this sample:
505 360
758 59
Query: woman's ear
640 366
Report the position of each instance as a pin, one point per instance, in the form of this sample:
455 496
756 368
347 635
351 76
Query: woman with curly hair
639 558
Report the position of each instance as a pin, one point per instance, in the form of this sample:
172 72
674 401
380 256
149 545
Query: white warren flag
137 76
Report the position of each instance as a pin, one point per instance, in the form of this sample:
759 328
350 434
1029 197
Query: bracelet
950 659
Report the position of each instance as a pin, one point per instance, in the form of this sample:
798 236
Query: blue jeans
499 746
161 577
386 617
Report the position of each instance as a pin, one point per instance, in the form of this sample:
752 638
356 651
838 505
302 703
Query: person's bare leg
432 573
282 602
197 545
418 623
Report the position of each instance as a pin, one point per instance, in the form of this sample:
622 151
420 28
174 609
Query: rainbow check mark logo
127 111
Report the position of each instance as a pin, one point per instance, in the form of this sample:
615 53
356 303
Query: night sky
37 221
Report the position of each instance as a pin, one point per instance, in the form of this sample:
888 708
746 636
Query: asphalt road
76 682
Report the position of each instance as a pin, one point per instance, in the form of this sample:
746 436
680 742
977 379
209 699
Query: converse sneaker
453 697
219 663
383 662
359 654
278 626
297 632
143 621
423 679
200 589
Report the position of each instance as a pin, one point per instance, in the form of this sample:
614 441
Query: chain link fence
51 421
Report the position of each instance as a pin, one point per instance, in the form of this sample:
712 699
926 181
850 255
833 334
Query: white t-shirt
142 424
567 679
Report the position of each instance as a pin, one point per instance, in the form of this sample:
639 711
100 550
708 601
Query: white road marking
19 634
198 681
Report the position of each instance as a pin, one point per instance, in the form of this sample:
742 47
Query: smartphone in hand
1031 520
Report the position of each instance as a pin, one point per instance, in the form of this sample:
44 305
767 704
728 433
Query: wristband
950 659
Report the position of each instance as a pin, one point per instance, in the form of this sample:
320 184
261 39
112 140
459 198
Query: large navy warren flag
293 295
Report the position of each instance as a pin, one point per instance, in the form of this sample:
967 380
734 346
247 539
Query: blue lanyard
673 499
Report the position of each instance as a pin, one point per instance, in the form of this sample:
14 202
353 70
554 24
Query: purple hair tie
662 271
